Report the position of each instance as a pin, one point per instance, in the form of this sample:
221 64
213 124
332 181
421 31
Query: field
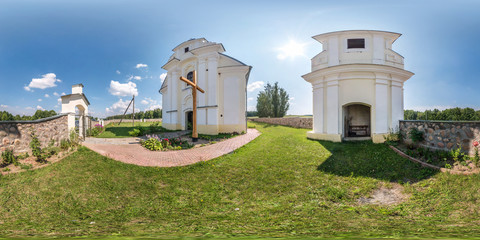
113 130
279 185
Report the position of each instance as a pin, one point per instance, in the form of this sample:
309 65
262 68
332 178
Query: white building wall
318 108
332 108
381 106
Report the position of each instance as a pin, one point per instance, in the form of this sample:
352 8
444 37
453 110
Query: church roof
164 84
234 59
188 41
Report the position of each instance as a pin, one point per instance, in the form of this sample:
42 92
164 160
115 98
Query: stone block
449 145
5 141
3 133
440 145
430 130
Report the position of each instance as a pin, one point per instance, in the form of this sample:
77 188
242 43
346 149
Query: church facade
222 108
357 82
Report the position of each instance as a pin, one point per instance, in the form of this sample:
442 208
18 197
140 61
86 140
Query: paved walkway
129 150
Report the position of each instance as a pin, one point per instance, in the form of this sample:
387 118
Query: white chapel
357 83
222 108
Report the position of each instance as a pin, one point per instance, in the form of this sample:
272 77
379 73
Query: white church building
357 83
222 108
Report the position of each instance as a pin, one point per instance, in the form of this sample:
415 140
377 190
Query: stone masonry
17 134
444 135
296 122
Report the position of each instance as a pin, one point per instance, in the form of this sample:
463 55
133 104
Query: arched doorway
357 121
81 121
189 120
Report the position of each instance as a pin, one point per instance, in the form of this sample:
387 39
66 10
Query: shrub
152 144
8 158
74 139
36 149
134 133
457 154
95 131
65 144
416 136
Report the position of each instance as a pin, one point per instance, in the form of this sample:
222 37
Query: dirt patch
385 196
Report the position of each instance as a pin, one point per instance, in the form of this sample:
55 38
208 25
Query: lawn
279 185
113 130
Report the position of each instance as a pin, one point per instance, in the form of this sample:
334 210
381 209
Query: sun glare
291 50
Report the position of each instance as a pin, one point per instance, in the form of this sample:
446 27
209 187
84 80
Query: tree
272 101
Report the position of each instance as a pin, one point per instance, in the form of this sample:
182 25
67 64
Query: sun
291 50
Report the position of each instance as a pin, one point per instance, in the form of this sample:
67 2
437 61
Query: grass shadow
371 160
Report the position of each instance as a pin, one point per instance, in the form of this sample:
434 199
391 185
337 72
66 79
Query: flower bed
454 161
155 143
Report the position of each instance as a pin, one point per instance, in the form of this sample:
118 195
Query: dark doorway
357 120
189 120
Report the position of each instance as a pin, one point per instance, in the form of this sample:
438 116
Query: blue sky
116 48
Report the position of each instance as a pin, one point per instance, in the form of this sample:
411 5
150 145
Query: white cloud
55 94
39 99
47 96
250 99
163 76
144 102
137 78
3 106
118 72
40 107
291 50
141 65
118 107
63 94
153 107
251 108
47 81
255 85
123 89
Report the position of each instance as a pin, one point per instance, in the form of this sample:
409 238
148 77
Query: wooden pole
194 95
133 112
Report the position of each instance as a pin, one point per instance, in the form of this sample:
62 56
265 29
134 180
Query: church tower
357 83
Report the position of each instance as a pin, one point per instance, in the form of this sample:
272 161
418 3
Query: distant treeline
39 114
150 114
451 114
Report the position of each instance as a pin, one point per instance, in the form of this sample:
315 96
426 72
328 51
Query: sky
116 48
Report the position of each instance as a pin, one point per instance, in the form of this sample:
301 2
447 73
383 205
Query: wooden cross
195 87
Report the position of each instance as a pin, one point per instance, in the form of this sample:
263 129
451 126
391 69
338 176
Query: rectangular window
356 43
186 49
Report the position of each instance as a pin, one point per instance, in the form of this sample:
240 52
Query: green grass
279 185
113 130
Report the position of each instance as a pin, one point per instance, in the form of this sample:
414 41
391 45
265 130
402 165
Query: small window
356 43
190 76
187 49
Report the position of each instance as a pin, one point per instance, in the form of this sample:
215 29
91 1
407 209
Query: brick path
130 151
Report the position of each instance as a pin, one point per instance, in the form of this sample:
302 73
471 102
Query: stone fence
444 135
297 122
16 135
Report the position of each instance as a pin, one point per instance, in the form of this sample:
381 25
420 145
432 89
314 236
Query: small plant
392 137
457 154
23 156
74 138
134 133
26 166
476 157
36 149
416 136
65 144
95 131
8 158
448 166
6 169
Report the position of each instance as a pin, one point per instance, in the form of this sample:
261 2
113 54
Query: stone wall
17 134
297 122
444 135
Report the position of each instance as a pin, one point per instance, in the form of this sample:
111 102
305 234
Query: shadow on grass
371 160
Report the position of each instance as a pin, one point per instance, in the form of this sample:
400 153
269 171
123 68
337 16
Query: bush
36 149
8 158
154 143
134 133
74 139
416 136
65 144
95 131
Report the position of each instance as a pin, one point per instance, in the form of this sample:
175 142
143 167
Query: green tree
272 101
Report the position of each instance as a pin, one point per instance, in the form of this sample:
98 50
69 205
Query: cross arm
188 81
